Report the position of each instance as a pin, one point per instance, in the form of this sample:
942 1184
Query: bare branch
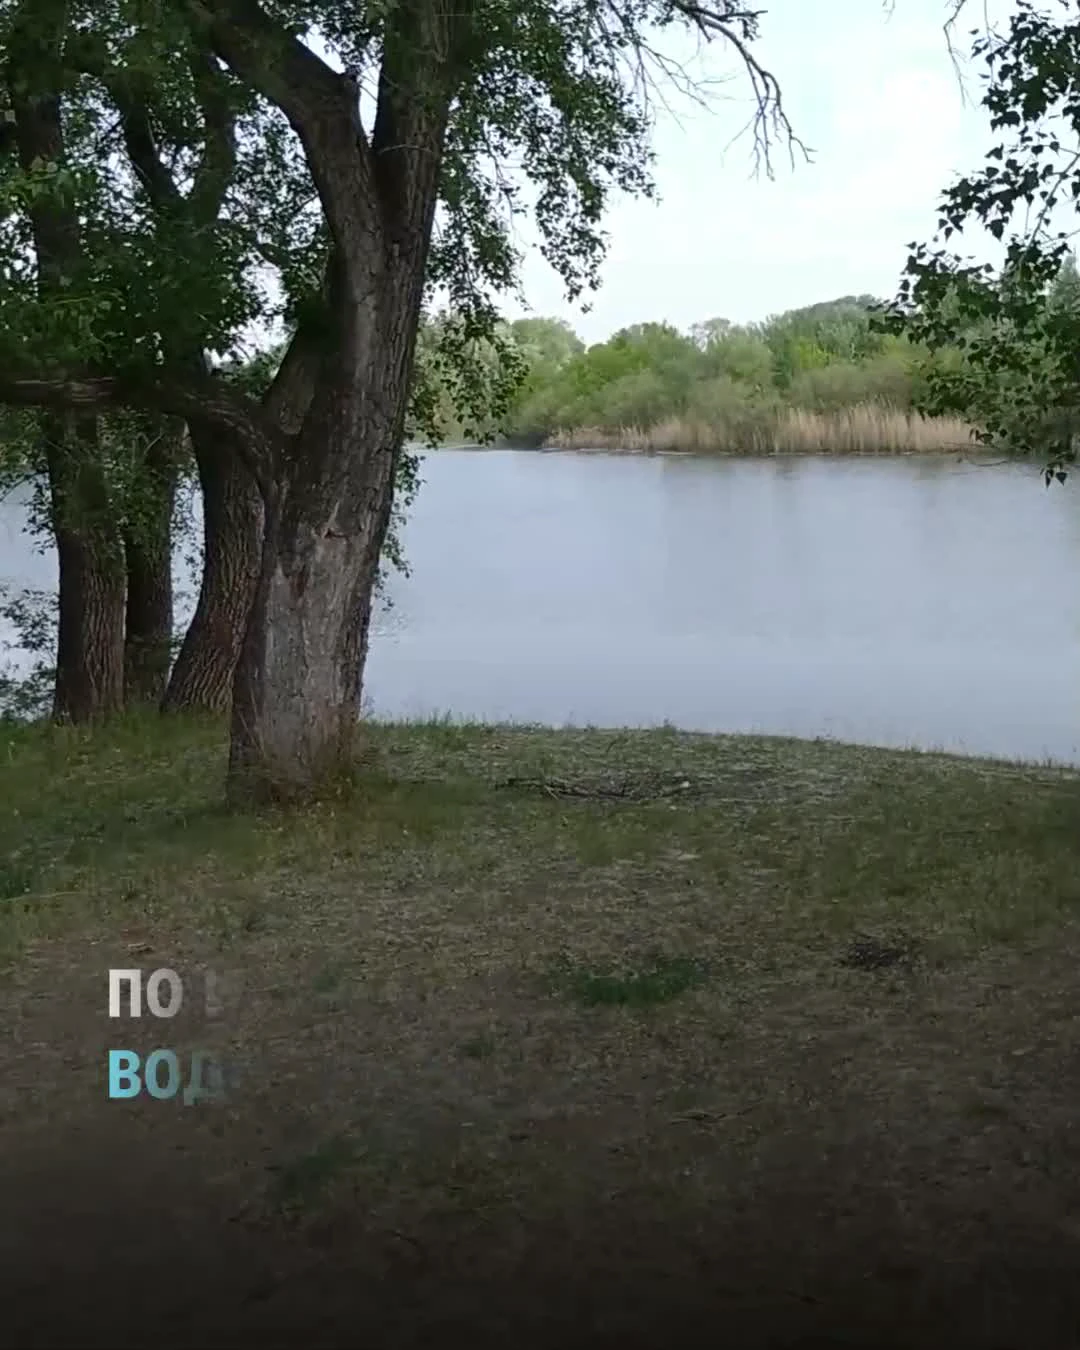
956 7
637 56
736 26
725 20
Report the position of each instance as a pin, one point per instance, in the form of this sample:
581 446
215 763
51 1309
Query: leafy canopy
1014 326
199 224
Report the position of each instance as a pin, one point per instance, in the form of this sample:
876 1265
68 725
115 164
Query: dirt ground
841 1110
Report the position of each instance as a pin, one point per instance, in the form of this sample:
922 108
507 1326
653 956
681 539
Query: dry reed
864 429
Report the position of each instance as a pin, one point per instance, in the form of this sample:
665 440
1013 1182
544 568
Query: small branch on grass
626 790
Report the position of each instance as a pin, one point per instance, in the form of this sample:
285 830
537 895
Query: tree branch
287 401
218 160
193 398
151 170
321 107
133 102
737 26
413 104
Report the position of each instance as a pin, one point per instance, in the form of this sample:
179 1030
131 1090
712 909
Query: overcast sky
873 91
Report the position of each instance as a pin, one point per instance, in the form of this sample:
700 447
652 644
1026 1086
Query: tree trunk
148 554
90 637
329 488
296 699
296 702
232 531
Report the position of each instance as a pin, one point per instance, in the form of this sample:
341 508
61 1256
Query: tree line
822 358
218 247
730 379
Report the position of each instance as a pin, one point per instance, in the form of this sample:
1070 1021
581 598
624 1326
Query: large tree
435 99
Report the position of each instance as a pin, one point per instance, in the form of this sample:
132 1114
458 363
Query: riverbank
860 430
541 1030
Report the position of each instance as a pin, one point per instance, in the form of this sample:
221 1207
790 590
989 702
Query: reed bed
860 430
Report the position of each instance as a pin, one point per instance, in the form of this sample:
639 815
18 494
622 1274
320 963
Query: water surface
913 601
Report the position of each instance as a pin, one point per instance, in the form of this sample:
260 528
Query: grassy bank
544 1032
860 430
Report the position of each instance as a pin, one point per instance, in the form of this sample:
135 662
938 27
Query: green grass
516 971
660 980
815 838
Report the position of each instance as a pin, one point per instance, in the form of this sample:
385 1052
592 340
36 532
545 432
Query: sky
871 88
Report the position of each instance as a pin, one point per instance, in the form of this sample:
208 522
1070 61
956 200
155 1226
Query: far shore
860 430
968 450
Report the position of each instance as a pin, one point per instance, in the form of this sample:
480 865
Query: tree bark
329 498
90 636
148 554
296 702
296 697
328 488
202 678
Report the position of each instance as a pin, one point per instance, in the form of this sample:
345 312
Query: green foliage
184 191
33 616
151 266
466 376
1016 325
823 357
885 380
659 981
741 355
169 208
191 190
820 335
728 402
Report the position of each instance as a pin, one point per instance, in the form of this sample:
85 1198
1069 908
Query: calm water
894 602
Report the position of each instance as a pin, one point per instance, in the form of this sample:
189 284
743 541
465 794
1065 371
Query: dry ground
546 1038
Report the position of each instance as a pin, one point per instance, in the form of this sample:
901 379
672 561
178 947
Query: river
906 601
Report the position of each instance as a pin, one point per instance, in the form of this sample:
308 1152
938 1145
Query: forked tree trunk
328 489
202 678
90 635
296 701
148 554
